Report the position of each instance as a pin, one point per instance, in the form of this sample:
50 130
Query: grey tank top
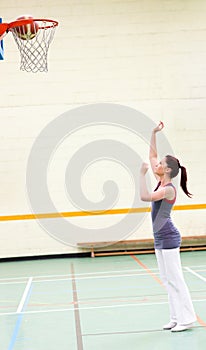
166 235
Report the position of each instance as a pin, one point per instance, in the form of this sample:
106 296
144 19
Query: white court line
14 278
90 308
77 279
79 274
84 278
83 308
7 283
24 296
195 274
97 277
76 274
195 266
91 278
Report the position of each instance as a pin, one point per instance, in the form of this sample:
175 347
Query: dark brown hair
174 164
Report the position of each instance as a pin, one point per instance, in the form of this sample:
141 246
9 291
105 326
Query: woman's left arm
144 193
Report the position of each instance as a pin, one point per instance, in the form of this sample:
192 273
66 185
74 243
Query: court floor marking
77 274
11 281
25 278
92 277
122 332
20 310
199 320
115 299
200 270
147 270
24 296
20 313
77 279
91 308
103 300
195 273
128 332
195 266
76 311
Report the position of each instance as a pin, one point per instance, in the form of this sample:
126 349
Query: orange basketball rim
33 37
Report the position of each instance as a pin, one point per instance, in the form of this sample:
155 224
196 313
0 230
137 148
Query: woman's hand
159 127
144 168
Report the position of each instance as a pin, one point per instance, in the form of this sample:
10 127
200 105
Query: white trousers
180 303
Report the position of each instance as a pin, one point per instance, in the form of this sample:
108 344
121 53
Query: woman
167 238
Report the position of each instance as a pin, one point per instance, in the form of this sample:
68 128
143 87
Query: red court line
199 320
147 269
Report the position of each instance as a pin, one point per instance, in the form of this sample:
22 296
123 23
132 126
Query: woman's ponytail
183 181
174 164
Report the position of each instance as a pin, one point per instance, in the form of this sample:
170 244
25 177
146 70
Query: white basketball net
34 51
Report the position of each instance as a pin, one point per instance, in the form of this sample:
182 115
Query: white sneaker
170 325
180 328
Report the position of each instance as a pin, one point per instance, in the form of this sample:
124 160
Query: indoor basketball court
86 86
79 303
115 302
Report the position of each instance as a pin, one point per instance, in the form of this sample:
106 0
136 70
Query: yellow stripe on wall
92 213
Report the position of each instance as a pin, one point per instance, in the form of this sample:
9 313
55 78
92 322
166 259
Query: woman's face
161 167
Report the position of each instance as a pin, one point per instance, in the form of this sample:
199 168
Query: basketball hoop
33 37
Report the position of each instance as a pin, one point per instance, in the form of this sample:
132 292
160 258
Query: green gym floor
113 303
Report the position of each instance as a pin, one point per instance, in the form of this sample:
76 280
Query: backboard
1 46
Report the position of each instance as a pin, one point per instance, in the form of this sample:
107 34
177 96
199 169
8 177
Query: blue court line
18 322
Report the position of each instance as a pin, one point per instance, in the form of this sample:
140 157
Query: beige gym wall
149 55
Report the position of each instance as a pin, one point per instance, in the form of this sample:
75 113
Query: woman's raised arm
153 157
